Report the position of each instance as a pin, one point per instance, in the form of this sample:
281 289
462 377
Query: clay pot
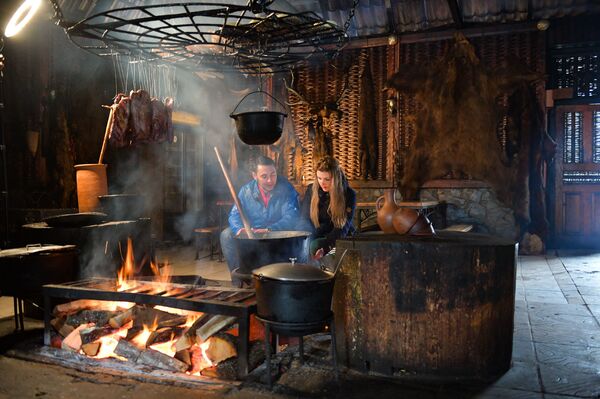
404 219
91 182
386 207
409 221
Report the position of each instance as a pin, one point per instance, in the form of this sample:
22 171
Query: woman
330 207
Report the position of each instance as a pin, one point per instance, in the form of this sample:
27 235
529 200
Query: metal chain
341 42
58 15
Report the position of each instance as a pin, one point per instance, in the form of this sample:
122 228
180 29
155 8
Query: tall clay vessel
386 206
91 182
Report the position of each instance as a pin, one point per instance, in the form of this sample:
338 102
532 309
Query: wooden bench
211 233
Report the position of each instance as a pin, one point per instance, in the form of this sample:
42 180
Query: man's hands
242 231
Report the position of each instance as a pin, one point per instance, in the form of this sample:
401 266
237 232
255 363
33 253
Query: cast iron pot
294 293
271 247
25 270
259 127
123 206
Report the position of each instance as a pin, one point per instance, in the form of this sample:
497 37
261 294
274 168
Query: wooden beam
456 13
499 29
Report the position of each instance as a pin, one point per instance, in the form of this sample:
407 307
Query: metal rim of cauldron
251 258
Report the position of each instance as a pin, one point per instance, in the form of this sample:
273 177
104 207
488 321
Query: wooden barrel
427 306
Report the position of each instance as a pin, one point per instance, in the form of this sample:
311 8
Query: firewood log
213 326
189 337
120 319
164 334
153 358
184 356
221 346
82 304
227 369
72 342
91 334
98 317
61 327
149 357
91 349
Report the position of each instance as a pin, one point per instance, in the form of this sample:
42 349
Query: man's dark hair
262 160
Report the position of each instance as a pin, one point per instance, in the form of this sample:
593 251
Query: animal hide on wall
456 131
367 125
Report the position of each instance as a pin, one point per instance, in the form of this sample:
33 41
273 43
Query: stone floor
556 348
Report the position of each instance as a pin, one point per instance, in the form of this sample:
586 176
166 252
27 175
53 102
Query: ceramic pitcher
386 206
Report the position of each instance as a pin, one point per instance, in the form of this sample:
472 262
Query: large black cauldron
267 248
294 293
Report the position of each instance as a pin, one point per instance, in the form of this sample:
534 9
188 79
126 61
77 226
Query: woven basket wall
324 83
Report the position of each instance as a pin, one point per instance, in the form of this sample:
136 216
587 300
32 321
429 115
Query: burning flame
127 269
141 339
168 348
125 276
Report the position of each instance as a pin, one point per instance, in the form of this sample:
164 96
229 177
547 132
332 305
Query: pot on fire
294 293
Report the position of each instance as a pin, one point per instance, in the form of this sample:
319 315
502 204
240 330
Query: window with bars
573 135
596 136
582 72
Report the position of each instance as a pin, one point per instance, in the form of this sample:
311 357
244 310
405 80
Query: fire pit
224 305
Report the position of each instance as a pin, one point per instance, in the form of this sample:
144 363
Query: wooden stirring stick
235 197
106 132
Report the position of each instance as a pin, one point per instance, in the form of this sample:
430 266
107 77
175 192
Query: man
269 203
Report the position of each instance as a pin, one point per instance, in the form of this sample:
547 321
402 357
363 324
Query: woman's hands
319 254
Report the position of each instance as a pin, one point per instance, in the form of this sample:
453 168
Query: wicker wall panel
323 83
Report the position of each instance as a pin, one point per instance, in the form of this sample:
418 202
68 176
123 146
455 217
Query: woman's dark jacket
326 228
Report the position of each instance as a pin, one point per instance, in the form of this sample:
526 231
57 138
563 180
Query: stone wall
477 206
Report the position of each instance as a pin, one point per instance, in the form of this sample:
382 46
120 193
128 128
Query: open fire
157 323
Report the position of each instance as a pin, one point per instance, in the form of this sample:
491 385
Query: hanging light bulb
21 17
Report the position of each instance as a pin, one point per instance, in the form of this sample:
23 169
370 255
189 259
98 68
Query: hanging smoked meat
141 116
138 119
119 129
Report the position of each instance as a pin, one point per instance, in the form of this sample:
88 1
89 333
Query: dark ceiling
382 17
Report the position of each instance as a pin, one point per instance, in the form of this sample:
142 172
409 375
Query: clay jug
386 206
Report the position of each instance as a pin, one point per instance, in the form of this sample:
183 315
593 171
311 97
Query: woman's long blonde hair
337 196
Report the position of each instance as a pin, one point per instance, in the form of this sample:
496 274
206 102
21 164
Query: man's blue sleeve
235 221
290 212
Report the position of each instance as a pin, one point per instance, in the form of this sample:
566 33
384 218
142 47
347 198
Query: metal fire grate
228 301
209 36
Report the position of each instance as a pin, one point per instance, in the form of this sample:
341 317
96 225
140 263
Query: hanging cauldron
259 127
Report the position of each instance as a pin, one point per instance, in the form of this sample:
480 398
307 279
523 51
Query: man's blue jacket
283 212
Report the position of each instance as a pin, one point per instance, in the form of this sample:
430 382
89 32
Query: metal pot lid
277 234
35 249
292 272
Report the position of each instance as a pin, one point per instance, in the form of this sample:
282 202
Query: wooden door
577 222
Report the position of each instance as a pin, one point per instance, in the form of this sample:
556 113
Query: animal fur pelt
456 130
367 126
